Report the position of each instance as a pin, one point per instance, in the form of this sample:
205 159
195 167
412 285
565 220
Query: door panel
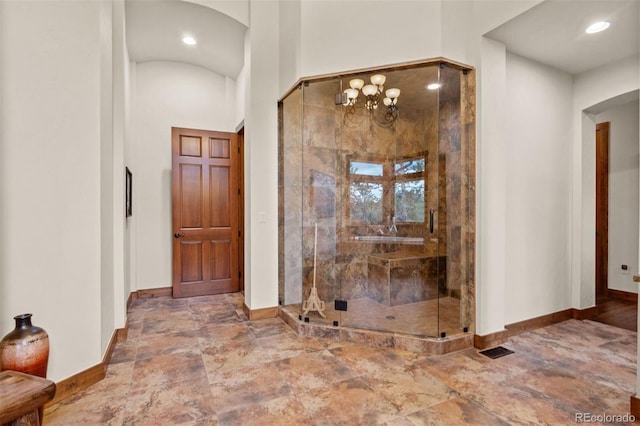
190 146
220 148
221 260
191 261
220 197
205 212
190 187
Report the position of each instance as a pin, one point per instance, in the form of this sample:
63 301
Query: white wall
591 88
168 94
489 14
51 176
624 186
120 64
261 156
240 97
3 315
538 193
490 189
107 215
348 35
130 161
290 54
458 39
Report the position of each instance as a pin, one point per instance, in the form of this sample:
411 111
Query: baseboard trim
538 322
132 296
115 338
490 340
499 337
634 406
258 314
585 314
82 380
69 386
623 295
149 293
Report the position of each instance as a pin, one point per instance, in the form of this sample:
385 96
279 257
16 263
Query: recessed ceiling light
597 27
433 86
189 40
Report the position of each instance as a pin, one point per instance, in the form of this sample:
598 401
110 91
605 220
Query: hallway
199 361
618 312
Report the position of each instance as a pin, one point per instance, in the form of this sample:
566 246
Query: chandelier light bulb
369 90
356 83
351 93
378 79
392 93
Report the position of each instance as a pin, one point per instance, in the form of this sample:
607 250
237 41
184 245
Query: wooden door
602 210
205 212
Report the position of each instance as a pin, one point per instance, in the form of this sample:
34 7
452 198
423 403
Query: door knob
177 235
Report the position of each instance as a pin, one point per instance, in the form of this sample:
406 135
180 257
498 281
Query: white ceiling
553 32
155 29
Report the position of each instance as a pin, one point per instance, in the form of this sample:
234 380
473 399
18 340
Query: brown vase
25 349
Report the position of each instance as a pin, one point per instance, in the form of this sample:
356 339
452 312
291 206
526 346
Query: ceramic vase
25 349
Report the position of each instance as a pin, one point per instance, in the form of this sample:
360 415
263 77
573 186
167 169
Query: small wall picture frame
128 206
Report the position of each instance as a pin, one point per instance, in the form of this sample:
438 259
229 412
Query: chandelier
372 93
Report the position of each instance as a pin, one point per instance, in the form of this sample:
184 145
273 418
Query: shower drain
390 317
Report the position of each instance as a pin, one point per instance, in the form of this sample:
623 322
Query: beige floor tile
313 370
350 402
199 361
237 388
282 411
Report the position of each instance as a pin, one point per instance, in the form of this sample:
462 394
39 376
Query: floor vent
496 352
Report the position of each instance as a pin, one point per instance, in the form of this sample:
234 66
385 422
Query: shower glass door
392 273
377 201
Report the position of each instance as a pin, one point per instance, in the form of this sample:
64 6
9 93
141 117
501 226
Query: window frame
388 181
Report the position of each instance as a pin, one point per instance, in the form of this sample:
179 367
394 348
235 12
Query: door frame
241 209
602 212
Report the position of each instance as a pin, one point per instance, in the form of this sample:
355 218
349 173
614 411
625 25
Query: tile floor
199 361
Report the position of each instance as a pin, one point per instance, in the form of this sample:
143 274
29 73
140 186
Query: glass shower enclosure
377 202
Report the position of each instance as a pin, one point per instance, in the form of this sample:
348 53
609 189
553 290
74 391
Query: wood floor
618 312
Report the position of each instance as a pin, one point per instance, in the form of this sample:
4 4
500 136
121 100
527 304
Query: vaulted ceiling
551 32
155 29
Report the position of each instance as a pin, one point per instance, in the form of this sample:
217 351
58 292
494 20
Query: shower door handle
431 221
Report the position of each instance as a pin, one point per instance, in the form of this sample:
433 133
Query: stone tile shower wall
316 143
457 200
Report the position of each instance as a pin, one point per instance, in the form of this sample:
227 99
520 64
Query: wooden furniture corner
22 397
